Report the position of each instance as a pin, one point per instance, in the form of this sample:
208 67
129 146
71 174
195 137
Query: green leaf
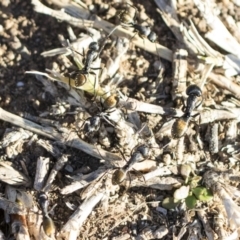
170 203
202 194
191 202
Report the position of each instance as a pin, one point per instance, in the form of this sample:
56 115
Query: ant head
93 46
194 90
144 150
42 197
152 36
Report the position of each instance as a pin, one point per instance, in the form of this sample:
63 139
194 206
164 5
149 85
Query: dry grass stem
41 173
70 140
98 23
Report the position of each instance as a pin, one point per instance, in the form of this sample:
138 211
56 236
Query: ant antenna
101 49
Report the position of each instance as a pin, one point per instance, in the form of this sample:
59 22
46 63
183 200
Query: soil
24 35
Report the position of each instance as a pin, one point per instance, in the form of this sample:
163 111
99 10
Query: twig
98 23
213 138
208 230
135 105
41 172
75 142
57 167
12 176
18 221
71 229
83 181
179 73
226 41
225 83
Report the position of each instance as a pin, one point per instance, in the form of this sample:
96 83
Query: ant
48 224
92 124
180 126
128 17
145 32
141 153
92 54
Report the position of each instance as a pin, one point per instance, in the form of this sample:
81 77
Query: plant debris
119 120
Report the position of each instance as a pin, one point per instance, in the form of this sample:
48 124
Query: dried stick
41 172
225 83
18 221
219 33
135 105
213 138
98 23
72 228
179 73
169 15
52 134
83 181
57 167
12 176
208 230
217 183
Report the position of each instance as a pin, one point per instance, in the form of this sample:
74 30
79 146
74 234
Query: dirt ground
24 35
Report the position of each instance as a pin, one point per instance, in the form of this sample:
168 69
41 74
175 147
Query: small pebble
162 210
68 168
8 24
20 84
10 55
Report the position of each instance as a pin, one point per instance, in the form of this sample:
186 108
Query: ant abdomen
118 176
179 127
80 79
48 226
111 101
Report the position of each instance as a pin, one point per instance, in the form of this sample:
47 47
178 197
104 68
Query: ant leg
95 69
133 37
69 83
184 105
200 102
121 152
140 175
195 115
107 37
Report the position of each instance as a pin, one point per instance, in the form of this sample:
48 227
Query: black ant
48 224
180 126
141 153
92 124
127 18
145 32
92 54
